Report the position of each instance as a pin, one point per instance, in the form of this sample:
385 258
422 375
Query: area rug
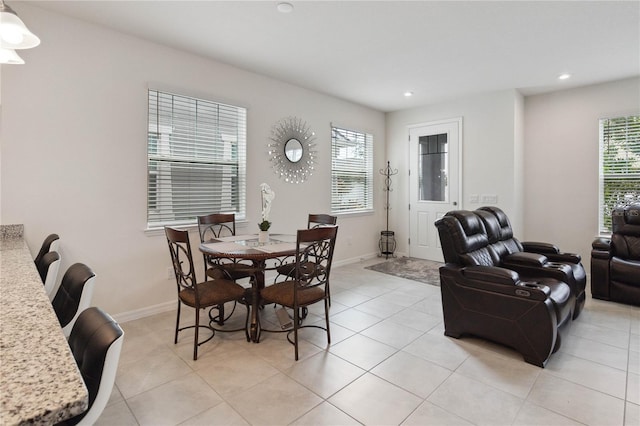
424 271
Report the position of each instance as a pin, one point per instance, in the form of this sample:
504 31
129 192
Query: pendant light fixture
14 34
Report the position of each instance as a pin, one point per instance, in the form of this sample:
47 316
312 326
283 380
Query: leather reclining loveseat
494 290
553 262
615 261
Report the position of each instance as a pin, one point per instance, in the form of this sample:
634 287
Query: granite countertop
39 380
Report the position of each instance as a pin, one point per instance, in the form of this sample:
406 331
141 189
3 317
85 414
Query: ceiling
371 52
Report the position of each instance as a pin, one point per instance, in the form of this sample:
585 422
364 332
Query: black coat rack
387 242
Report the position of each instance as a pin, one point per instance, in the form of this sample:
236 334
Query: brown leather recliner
615 261
566 267
482 298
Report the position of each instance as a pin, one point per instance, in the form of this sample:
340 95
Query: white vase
263 236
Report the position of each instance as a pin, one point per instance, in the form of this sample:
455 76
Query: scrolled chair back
216 225
320 220
314 254
181 258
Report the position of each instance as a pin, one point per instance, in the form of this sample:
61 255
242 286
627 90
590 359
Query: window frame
625 173
214 144
343 167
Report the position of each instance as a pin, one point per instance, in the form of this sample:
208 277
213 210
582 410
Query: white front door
434 182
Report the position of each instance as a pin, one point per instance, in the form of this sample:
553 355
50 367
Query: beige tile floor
389 363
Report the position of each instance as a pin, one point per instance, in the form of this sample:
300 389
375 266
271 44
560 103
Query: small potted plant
264 225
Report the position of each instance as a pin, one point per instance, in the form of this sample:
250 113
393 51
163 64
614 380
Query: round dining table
279 247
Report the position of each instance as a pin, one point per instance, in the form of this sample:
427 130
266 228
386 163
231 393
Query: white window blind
351 171
619 165
196 154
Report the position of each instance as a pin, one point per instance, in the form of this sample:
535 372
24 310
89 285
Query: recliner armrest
551 251
492 274
503 281
525 259
536 290
601 244
565 257
538 247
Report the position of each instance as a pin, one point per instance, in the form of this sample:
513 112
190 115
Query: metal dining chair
314 221
219 225
207 294
310 281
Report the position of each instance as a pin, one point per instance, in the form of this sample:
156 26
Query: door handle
455 203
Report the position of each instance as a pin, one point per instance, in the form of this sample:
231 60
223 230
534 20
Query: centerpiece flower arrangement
267 195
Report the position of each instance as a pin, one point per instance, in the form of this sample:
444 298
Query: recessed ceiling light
285 7
408 94
564 76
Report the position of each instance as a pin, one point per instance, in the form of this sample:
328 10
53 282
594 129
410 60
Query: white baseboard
365 257
146 311
354 260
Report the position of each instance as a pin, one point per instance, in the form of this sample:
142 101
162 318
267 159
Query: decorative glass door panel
433 168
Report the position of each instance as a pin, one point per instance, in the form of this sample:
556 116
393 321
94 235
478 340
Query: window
196 155
619 165
351 171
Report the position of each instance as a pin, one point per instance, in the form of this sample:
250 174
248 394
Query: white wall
491 153
561 167
74 151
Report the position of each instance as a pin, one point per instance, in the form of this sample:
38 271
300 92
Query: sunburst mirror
291 150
